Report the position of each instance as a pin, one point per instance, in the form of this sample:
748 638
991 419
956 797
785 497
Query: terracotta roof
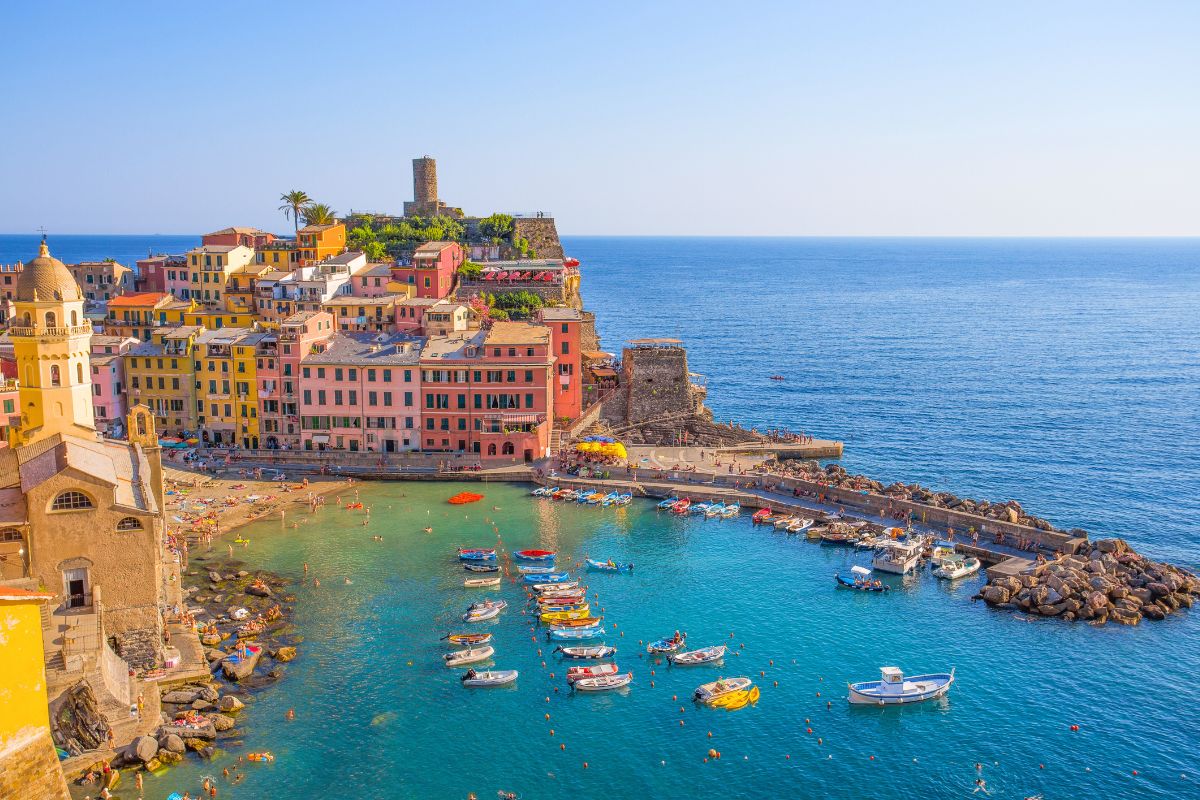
46 278
433 248
138 299
517 333
13 593
236 229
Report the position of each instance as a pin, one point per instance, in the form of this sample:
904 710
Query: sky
652 118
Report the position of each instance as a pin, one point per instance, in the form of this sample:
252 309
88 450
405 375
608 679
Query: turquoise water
379 717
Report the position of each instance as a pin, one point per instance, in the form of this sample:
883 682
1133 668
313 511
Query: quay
815 449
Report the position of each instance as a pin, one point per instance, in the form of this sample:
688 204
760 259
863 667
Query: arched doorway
508 449
491 449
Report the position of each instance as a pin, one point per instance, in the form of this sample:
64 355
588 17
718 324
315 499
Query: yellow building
319 242
52 347
28 764
227 386
161 374
211 265
281 254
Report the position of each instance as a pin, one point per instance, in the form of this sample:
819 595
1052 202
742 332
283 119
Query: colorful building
210 267
245 237
564 325
163 273
160 375
433 269
137 314
374 280
281 254
227 386
102 280
279 377
108 394
10 399
364 314
320 242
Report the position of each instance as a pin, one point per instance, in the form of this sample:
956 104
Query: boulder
229 704
1142 594
202 705
1053 610
1153 611
285 654
231 577
215 577
208 753
1114 546
181 696
166 757
1158 589
242 573
208 693
260 591
145 748
172 743
195 744
1118 593
1052 597
222 722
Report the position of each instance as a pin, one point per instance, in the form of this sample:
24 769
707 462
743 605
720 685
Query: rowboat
549 588
482 613
798 525
595 498
535 555
862 581
591 652
705 655
542 491
569 598
468 638
472 656
481 567
602 684
596 671
698 508
474 583
527 570
609 499
954 568
476 555
714 510
490 551
484 604
708 692
731 510
761 517
894 689
582 496
815 532
668 645
488 678
582 612
623 499
783 522
559 494
609 566
667 503
839 537
574 634
547 577
580 622
682 506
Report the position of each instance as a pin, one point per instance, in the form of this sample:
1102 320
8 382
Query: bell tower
51 343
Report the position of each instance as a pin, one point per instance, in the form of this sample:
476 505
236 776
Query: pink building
10 403
371 280
246 237
359 392
278 365
364 314
108 394
433 269
564 325
410 313
160 273
111 345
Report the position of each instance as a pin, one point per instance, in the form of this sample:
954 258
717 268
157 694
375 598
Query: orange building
319 242
136 314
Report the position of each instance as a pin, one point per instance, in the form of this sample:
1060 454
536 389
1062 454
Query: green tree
519 304
293 205
497 226
470 270
318 214
375 251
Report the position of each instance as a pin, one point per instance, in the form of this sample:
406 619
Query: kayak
704 655
666 645
609 566
591 652
488 678
597 671
574 634
602 684
708 692
477 582
548 577
468 638
735 700
481 567
471 656
535 555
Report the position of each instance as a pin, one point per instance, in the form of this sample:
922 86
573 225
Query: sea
1064 373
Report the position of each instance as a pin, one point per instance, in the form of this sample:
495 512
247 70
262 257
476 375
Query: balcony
57 332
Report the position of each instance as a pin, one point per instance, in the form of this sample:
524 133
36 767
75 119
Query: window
408 398
566 347
564 327
353 374
529 401
129 524
55 374
370 375
71 501
387 375
11 535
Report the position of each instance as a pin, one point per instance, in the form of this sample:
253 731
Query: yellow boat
575 613
735 700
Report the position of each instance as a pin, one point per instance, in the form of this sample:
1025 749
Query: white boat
731 510
524 570
549 588
941 551
473 656
705 655
542 491
798 525
894 689
481 614
715 510
783 522
477 582
486 678
869 542
592 652
897 557
486 604
957 567
698 508
602 684
593 671
708 692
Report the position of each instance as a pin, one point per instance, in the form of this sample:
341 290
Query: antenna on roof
42 230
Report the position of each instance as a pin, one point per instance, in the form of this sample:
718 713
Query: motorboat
539 578
574 634
472 656
709 692
761 517
958 567
861 582
663 505
731 510
799 525
942 550
592 652
468 638
596 671
705 655
489 678
783 522
609 566
543 491
481 567
486 604
869 542
481 615
899 557
831 536
535 555
667 645
475 583
602 684
894 689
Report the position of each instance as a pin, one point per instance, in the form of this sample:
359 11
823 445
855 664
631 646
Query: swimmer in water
291 713
348 581
317 582
429 529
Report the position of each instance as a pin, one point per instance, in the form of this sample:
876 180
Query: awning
321 438
604 372
596 355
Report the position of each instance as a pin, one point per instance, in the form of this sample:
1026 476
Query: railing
70 330
531 214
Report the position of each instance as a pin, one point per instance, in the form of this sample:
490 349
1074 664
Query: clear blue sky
911 118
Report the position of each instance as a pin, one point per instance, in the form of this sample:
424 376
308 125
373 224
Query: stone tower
425 181
51 343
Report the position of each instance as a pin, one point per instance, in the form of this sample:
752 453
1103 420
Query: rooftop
318 228
561 314
183 332
375 270
432 248
517 333
214 248
138 300
447 348
223 336
345 259
237 230
350 300
369 350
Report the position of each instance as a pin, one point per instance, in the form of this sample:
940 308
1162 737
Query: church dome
46 278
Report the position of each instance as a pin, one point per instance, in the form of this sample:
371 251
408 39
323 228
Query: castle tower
425 190
51 342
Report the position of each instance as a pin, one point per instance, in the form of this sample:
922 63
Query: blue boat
670 501
547 577
862 581
477 554
609 566
574 634
895 689
542 556
609 499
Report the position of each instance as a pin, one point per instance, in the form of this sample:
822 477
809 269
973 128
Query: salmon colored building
432 271
278 370
246 237
564 325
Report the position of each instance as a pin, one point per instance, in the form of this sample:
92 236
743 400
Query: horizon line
49 235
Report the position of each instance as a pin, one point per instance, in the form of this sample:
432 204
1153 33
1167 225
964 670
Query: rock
181 696
1158 589
229 704
215 577
222 722
1142 594
208 693
260 591
1053 597
214 655
145 748
167 757
1118 592
208 753
285 654
1051 610
1040 595
231 577
153 765
195 744
242 573
1125 617
1154 612
202 705
1011 515
1114 546
994 595
172 743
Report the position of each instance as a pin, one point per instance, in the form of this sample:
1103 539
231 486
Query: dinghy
481 567
574 634
783 522
698 508
550 588
488 678
593 652
476 555
542 491
667 645
475 583
581 622
480 612
862 581
595 498
667 503
597 671
682 506
547 577
735 700
799 525
582 612
609 499
731 510
472 656
715 510
609 566
623 499
894 689
468 638
954 568
602 684
709 692
705 655
525 570
761 517
535 555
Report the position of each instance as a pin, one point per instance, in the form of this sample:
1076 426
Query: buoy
681 723
547 717
1041 766
710 734
776 684
808 730
872 758
547 699
551 674
789 758
543 663
651 672
712 753
562 747
807 721
1135 772
674 697
681 709
818 694
820 740
771 662
651 684
585 765
552 731
410 663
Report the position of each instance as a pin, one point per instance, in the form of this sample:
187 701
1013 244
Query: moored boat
535 555
485 604
783 522
799 525
731 510
580 622
603 684
714 510
596 671
682 506
709 692
574 634
551 587
899 557
705 655
474 583
861 582
669 644
539 578
958 567
530 570
894 689
609 566
542 491
468 638
609 499
477 555
668 502
761 517
474 655
488 678
481 567
593 652
581 612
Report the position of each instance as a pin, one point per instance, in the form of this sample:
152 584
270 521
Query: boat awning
857 570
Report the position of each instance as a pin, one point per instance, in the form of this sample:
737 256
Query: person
305 567
981 786
291 713
138 780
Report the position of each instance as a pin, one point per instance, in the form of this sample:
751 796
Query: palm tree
293 205
318 214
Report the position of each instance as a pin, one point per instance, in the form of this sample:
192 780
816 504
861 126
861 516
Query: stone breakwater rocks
1112 583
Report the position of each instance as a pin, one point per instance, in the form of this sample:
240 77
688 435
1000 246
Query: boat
714 510
832 536
580 622
488 678
941 551
476 555
869 542
897 557
481 615
542 491
603 684
597 671
472 656
462 498
815 532
698 508
265 757
799 525
705 655
481 567
623 499
761 517
861 582
527 570
663 505
667 645
535 555
709 692
539 578
468 638
894 689
783 522
574 634
582 612
682 506
564 599
595 498
559 494
732 701
609 499
485 604
549 588
474 583
954 568
609 566
593 652
731 510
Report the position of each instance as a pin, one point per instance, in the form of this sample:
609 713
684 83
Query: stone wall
589 337
29 769
541 233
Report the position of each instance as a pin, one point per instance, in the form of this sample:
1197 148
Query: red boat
491 551
535 555
760 516
682 506
597 671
